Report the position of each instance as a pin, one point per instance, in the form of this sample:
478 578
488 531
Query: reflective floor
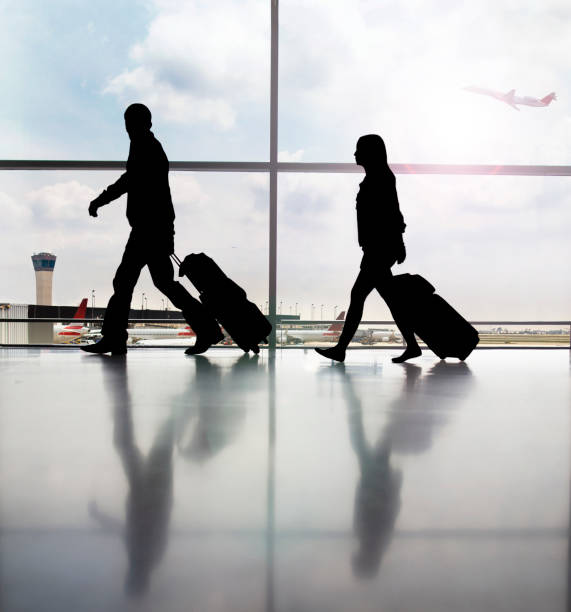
165 482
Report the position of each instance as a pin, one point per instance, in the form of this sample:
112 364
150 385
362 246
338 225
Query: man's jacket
146 183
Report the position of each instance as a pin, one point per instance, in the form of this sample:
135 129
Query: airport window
264 179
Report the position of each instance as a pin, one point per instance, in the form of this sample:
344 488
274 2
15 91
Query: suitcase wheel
255 349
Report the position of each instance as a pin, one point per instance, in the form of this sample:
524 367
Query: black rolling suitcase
227 301
443 329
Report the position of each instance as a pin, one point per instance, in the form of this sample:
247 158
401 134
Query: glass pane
496 248
75 66
222 214
401 69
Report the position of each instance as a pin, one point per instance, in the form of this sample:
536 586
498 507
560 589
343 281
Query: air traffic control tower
44 264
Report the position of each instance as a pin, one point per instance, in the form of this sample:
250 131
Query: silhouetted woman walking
377 207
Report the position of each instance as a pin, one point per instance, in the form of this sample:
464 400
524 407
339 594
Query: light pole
267 308
322 312
296 308
163 303
142 305
146 307
312 311
92 302
281 302
335 312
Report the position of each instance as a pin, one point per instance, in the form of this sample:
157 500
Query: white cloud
200 62
170 103
286 156
398 69
60 204
12 213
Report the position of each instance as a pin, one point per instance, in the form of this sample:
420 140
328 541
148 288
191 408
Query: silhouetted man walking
151 215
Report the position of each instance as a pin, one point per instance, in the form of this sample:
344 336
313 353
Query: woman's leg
361 289
359 293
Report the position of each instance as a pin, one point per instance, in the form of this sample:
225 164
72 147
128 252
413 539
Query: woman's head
370 151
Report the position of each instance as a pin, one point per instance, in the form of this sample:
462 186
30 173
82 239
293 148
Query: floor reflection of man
150 479
214 400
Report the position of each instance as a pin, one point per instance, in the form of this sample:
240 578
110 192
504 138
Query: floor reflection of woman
378 492
378 214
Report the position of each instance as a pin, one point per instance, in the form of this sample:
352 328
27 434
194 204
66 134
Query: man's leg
204 325
114 329
361 289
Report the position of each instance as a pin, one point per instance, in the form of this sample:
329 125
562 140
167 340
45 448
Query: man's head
137 120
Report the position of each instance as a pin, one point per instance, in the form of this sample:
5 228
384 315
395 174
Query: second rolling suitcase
227 302
442 328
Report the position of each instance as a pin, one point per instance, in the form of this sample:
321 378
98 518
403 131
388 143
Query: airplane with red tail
511 99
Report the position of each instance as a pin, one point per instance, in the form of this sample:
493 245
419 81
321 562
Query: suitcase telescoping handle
177 261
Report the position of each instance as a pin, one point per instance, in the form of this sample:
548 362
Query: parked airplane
511 99
68 333
331 334
136 334
385 335
187 341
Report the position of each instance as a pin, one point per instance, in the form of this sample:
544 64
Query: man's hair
139 113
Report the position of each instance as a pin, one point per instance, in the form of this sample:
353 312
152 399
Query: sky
495 247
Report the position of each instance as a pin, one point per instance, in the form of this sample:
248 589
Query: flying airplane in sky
511 99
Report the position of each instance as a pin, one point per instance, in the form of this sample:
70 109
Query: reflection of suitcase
444 330
226 301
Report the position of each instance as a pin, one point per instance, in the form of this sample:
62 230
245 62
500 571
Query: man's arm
112 192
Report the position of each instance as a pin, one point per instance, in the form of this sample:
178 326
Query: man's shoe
106 346
204 342
334 352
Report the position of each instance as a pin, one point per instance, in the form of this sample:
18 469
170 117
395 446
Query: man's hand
93 206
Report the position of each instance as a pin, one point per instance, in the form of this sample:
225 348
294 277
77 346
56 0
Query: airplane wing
509 98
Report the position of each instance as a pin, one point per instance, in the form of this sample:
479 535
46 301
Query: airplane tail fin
79 314
337 327
548 98
81 310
